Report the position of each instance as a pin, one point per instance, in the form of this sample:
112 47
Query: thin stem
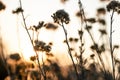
84 18
111 49
69 50
31 39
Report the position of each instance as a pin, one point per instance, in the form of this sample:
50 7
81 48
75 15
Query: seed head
61 16
113 5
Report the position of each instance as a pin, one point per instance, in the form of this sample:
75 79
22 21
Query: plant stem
31 40
111 49
84 19
69 50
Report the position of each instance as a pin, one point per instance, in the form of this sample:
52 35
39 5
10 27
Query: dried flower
70 39
80 32
102 31
91 20
50 43
101 11
113 5
41 46
17 11
40 24
15 56
61 16
116 46
50 26
92 55
47 48
33 58
2 6
78 14
88 27
64 41
94 47
76 39
102 48
102 21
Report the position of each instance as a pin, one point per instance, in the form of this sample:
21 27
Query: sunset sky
16 38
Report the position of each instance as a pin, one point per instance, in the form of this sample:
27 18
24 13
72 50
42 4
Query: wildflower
15 56
47 48
102 48
80 32
33 58
116 46
61 16
113 5
50 26
50 43
72 49
41 46
92 55
76 39
88 27
102 21
102 31
39 43
64 41
17 11
101 11
94 47
70 39
91 20
2 6
40 24
78 14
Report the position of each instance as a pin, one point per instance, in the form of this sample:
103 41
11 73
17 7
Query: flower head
41 46
17 11
113 5
61 16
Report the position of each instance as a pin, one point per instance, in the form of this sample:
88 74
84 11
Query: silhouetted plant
62 17
113 6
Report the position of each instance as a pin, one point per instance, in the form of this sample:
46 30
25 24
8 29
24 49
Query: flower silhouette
17 11
114 5
61 16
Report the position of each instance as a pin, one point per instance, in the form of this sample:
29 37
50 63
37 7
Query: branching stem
40 69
